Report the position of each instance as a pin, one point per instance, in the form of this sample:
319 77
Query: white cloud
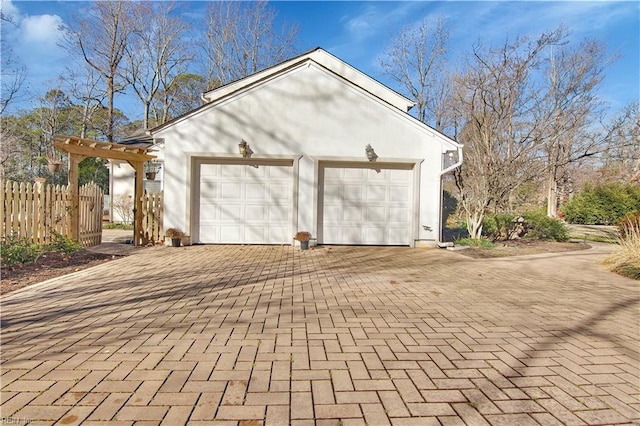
41 29
9 10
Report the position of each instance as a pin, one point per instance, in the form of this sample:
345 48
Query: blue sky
358 33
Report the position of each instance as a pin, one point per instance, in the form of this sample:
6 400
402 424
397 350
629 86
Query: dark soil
523 247
49 265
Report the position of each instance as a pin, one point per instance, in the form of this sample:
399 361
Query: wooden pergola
79 149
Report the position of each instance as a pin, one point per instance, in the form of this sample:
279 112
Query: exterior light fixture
371 154
245 149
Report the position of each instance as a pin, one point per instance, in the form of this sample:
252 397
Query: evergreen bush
602 204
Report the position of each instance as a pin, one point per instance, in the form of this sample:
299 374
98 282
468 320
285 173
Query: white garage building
307 123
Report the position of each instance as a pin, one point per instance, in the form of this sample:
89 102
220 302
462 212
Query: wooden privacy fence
152 213
36 211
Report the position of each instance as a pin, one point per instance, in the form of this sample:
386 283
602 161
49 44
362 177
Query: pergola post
74 191
138 231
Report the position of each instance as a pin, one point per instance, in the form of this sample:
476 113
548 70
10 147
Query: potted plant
176 235
151 169
53 161
303 237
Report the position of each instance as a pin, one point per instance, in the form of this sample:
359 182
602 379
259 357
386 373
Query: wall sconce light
245 149
371 154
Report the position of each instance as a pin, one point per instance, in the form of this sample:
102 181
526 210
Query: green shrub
498 226
14 251
602 204
63 244
477 243
540 227
536 226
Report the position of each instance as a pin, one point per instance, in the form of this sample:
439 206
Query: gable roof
376 90
328 61
319 56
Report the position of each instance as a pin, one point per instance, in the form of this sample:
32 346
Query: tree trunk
110 109
474 225
145 122
552 194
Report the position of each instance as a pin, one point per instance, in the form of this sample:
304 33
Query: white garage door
245 204
365 206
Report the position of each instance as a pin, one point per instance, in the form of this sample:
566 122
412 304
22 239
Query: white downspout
457 164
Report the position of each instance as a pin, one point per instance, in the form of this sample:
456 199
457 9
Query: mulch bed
523 247
47 266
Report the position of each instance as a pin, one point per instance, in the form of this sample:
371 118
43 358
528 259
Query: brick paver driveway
342 335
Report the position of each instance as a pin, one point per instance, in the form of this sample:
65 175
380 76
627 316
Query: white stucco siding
308 112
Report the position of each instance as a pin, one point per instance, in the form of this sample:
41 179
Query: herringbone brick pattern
333 336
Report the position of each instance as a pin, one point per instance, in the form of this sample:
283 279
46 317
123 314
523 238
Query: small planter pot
304 245
54 167
175 242
151 175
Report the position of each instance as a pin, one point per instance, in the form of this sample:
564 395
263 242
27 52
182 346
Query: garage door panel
353 233
376 193
228 171
280 173
230 190
254 234
352 215
398 214
255 191
207 170
276 191
373 175
375 214
332 192
278 234
353 193
231 233
332 214
367 206
244 204
256 212
398 193
229 213
397 236
373 235
350 174
278 213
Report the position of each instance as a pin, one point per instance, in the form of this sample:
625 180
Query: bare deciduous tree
12 73
569 112
83 84
157 53
180 95
495 101
241 39
415 62
100 38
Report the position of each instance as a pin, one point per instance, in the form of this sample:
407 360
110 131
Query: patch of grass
479 243
114 225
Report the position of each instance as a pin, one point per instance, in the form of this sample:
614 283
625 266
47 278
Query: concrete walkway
331 336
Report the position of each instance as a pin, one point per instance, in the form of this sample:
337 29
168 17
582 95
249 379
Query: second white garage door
366 206
245 204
